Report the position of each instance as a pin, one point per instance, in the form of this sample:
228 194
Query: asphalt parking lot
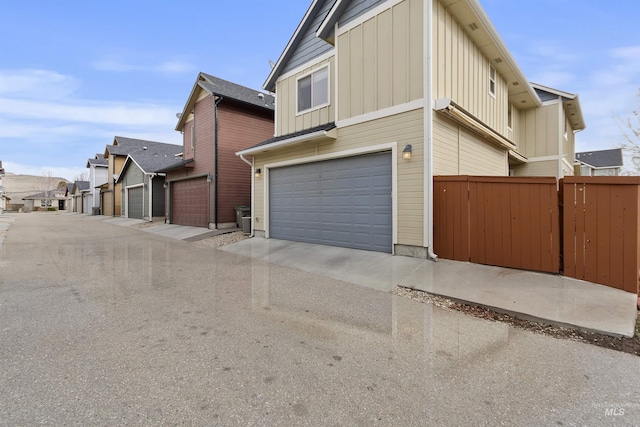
109 325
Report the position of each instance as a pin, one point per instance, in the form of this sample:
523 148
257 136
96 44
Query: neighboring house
547 134
599 163
143 188
116 154
46 200
374 98
81 194
218 119
98 176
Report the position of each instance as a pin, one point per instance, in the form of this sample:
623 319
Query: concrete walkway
536 296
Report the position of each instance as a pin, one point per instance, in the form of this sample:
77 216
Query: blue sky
75 73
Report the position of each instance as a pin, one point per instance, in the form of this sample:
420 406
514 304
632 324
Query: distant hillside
18 186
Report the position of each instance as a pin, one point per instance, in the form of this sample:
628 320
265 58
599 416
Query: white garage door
343 202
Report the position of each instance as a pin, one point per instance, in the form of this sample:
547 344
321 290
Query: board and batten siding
405 128
539 131
357 8
461 73
458 151
380 60
541 168
288 119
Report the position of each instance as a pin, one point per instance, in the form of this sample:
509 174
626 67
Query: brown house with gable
219 119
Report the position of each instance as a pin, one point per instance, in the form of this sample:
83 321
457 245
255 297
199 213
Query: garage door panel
342 202
134 208
189 202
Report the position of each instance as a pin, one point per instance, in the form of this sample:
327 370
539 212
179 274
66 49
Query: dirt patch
221 240
626 345
146 224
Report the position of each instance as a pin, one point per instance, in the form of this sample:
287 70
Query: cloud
95 112
56 171
169 67
33 83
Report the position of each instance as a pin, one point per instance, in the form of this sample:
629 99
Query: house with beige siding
374 98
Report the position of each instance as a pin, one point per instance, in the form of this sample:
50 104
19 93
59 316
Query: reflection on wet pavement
109 325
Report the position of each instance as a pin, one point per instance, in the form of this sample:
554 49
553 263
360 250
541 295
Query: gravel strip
626 345
221 240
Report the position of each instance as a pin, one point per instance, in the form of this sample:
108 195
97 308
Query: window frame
493 77
510 116
310 75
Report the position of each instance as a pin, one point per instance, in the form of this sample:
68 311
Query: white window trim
493 80
317 107
393 146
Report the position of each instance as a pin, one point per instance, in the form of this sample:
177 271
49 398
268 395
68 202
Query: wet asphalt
109 325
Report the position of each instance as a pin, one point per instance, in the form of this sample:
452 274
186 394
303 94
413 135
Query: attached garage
135 202
189 202
343 202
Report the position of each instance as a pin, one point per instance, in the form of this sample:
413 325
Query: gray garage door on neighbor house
134 203
343 202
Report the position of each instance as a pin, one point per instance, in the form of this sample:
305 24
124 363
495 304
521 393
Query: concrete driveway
542 297
108 325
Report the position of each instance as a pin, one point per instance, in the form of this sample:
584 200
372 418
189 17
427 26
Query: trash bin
95 211
241 212
246 225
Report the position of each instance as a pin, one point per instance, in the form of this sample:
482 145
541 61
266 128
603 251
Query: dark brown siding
239 128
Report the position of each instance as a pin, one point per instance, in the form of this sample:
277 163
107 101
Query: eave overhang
477 25
458 114
316 136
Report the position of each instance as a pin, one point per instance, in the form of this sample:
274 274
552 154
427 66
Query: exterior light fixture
165 184
209 178
258 173
406 153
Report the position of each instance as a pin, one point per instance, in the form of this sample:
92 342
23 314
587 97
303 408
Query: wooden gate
503 221
602 230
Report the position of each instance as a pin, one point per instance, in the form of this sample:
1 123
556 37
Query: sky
75 73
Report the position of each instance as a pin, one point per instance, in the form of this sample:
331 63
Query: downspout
216 101
253 191
151 176
428 128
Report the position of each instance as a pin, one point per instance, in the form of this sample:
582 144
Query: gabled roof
602 158
470 15
294 41
216 86
155 158
45 195
123 146
98 162
81 186
571 103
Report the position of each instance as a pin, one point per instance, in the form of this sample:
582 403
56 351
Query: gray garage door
343 202
134 204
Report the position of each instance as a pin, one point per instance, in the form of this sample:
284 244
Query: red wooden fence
504 221
602 230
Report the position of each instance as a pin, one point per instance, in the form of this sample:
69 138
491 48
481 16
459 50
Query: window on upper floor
509 116
313 90
492 81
